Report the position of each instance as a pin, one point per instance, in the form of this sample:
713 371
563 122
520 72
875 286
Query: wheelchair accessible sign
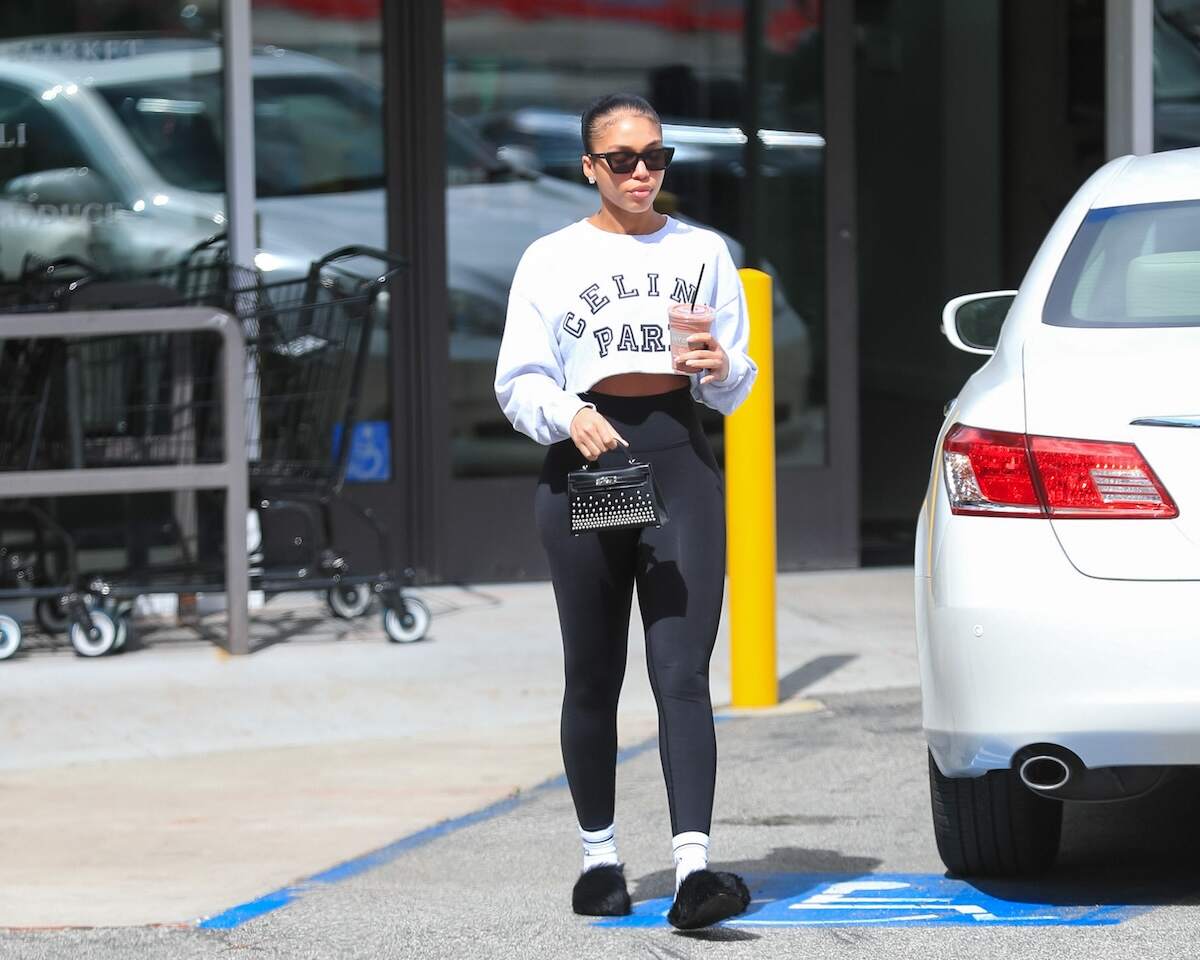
370 459
880 900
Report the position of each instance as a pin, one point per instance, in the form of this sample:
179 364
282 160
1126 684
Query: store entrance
982 120
783 204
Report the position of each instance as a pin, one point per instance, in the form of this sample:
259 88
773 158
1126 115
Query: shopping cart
153 400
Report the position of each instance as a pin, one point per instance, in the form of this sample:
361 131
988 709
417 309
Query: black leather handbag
614 499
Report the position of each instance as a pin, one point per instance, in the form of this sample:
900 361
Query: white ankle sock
691 853
599 846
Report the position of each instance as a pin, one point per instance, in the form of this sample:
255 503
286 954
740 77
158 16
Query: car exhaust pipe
1044 773
1056 773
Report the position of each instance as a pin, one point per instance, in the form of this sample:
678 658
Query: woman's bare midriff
639 384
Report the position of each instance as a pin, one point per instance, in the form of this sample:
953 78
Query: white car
1058 548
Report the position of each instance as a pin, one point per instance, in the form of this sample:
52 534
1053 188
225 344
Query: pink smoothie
683 321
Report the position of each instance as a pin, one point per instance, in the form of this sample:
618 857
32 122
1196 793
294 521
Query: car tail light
1089 478
992 473
989 472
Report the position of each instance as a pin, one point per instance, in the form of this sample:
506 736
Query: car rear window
1133 266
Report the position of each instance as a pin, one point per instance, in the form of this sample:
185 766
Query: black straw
697 290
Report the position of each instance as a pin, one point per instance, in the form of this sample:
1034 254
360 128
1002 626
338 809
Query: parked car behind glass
122 165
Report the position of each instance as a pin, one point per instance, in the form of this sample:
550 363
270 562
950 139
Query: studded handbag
614 499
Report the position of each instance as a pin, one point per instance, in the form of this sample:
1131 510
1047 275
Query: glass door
517 77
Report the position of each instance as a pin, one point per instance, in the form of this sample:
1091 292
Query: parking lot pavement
169 782
816 805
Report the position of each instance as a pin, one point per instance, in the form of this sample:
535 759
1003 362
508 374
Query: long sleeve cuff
563 413
726 395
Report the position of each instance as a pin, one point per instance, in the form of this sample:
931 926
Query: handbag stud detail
614 499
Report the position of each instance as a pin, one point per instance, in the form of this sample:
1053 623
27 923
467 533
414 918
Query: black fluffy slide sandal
706 897
601 892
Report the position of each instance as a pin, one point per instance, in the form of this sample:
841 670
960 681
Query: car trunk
1092 383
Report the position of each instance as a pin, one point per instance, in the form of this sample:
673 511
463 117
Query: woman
585 366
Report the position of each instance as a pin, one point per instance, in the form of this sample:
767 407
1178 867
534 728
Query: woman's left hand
714 358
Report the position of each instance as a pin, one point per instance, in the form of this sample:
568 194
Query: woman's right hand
593 434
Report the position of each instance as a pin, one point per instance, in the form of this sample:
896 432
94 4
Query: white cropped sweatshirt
586 304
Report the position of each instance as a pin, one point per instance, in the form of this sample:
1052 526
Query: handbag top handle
632 461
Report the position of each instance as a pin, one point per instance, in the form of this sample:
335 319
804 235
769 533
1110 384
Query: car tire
993 826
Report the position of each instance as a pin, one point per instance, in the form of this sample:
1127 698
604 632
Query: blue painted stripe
244 912
235 916
352 868
238 915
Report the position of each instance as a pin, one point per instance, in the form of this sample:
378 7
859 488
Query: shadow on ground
1134 852
816 865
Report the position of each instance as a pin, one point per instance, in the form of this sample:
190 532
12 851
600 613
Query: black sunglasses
626 161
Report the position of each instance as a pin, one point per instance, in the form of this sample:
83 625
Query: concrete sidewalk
171 782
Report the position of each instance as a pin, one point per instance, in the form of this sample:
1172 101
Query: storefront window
1176 74
518 75
109 122
792 232
112 147
319 167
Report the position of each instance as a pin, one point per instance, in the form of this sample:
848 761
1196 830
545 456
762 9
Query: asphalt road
804 800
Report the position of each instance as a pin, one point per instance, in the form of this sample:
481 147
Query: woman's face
635 191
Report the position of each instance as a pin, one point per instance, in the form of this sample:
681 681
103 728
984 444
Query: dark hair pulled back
609 104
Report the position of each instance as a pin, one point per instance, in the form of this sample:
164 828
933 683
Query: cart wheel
124 630
50 615
122 613
349 601
105 638
409 624
10 636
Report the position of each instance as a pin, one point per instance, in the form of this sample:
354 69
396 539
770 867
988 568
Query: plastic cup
683 320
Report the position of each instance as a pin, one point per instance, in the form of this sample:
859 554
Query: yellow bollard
750 514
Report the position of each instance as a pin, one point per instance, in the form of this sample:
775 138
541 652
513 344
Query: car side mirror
65 187
972 323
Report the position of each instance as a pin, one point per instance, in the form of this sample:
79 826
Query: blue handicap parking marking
890 899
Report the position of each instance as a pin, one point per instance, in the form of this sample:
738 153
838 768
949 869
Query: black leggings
679 570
